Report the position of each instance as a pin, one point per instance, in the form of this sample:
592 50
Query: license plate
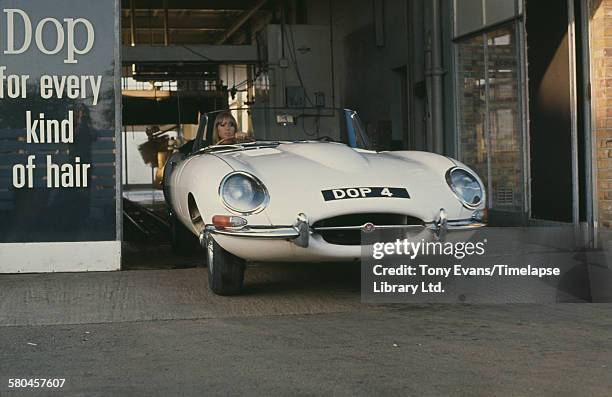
364 192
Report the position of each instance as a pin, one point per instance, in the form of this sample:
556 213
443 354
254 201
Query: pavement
298 330
175 294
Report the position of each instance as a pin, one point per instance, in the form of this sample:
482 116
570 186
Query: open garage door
558 142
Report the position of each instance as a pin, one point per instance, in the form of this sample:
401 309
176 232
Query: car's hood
296 173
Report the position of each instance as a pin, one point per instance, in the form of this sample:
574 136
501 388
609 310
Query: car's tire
225 270
184 242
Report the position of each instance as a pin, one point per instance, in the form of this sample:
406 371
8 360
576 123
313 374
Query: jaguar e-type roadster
302 185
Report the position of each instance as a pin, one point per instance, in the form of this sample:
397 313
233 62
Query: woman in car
225 130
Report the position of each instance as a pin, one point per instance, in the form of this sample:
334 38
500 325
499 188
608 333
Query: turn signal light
225 221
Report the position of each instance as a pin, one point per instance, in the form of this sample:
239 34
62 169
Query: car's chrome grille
346 229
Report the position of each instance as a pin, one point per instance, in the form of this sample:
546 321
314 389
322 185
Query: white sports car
302 186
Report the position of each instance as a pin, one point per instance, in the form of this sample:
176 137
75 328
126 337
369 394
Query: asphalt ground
299 330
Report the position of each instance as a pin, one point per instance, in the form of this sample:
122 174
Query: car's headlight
242 192
466 187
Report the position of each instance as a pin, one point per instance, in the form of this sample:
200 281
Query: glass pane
506 152
494 150
69 139
471 89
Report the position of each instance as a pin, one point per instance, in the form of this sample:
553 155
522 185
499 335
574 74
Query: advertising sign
58 132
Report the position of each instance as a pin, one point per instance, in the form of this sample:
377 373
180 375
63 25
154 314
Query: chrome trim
458 225
300 232
283 232
441 224
303 228
461 200
376 227
257 209
463 224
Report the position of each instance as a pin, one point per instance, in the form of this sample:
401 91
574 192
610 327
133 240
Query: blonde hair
221 117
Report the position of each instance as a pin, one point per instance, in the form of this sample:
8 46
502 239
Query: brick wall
601 28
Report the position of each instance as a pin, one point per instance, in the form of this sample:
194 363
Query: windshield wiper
324 138
215 148
271 143
239 146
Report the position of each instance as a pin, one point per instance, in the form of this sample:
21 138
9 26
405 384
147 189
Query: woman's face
226 129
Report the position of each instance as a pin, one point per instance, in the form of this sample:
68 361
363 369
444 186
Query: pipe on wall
331 54
436 72
428 116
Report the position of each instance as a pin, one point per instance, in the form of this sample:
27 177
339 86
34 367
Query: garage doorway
557 125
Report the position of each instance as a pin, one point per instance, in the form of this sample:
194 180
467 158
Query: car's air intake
346 229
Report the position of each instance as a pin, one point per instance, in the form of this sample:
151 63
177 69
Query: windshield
282 124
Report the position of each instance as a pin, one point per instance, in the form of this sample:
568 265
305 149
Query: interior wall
366 70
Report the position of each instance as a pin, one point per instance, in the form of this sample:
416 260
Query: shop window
489 117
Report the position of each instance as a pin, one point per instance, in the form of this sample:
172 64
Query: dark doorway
549 111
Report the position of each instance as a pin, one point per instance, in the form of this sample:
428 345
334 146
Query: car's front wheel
225 271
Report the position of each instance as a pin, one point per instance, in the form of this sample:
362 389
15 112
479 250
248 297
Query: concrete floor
299 330
271 289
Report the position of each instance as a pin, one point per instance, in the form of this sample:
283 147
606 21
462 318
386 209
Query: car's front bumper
301 241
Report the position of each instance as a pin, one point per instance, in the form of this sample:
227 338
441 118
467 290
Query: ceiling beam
227 54
176 21
176 28
241 20
207 5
